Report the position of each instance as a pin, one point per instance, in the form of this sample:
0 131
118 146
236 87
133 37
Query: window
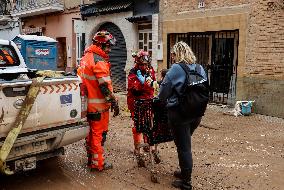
8 56
140 36
145 40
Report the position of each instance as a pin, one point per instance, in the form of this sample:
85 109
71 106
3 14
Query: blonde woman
183 126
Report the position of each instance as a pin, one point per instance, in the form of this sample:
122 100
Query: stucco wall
268 94
128 30
155 39
59 25
261 43
9 33
68 4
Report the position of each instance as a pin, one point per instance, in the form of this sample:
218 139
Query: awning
106 7
139 18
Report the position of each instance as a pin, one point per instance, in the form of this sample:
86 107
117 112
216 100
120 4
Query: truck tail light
84 102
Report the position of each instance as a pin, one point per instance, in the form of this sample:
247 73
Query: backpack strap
191 75
196 72
187 71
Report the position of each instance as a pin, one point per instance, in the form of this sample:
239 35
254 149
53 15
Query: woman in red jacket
140 86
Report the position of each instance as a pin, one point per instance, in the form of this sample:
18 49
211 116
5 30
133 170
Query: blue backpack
195 93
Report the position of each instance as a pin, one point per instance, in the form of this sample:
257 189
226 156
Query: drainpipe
20 25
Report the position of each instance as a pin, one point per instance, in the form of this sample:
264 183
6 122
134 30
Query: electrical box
160 52
201 4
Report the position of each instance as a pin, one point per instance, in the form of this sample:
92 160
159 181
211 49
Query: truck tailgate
58 103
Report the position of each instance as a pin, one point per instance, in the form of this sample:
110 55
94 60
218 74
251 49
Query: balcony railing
25 8
5 7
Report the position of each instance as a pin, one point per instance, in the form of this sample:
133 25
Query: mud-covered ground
228 152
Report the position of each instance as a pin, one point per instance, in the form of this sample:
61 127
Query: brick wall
265 34
261 42
172 7
265 41
264 70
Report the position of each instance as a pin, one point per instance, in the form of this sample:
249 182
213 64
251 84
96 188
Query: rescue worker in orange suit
140 86
5 56
94 71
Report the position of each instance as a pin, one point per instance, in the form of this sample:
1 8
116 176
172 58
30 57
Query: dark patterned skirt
151 119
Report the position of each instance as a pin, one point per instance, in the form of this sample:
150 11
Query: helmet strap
103 47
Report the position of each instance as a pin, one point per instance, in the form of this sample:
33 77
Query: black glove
115 108
156 100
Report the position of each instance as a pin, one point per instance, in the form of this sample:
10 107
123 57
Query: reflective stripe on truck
58 88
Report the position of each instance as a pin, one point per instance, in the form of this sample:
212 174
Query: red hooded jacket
136 90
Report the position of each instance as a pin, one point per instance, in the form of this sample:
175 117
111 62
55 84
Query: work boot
182 184
185 179
146 148
157 157
89 159
89 162
136 151
178 174
140 160
107 166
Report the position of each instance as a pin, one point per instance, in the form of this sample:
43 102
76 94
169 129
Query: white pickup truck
57 117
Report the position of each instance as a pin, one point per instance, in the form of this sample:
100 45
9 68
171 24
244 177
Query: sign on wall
32 30
79 26
201 4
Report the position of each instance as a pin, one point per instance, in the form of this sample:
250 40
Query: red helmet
141 57
104 37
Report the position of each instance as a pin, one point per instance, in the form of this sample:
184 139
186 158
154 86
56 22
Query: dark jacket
172 84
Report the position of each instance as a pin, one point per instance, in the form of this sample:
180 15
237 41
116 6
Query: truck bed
57 104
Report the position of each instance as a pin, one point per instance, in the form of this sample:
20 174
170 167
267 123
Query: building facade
135 26
240 43
9 27
52 18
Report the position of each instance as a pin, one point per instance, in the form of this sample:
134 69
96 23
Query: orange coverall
6 57
95 70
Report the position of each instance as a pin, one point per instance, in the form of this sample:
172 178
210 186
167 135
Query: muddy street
229 153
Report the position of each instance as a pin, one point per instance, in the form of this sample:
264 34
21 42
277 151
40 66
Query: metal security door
217 52
223 68
118 56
